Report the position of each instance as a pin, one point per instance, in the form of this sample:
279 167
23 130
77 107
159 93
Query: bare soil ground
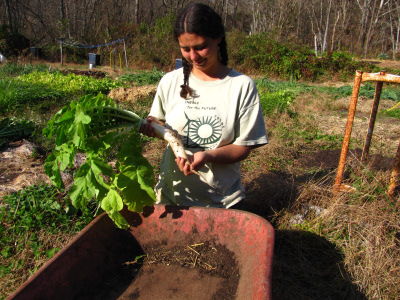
385 63
21 165
200 271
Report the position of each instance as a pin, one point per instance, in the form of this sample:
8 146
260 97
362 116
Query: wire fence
85 46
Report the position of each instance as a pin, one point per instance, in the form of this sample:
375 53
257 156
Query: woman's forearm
228 154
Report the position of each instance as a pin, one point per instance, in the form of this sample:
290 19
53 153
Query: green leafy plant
366 90
383 56
157 36
70 83
143 78
269 56
276 102
95 126
394 113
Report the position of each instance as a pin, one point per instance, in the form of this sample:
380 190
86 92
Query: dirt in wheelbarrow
198 271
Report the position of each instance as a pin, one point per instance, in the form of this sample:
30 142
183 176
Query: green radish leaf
77 131
83 188
112 201
100 167
118 219
59 159
66 156
100 144
88 183
146 178
136 177
134 196
52 170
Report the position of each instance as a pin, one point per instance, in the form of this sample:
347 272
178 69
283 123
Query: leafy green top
95 126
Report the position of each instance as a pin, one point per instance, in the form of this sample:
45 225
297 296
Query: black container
94 59
36 52
178 63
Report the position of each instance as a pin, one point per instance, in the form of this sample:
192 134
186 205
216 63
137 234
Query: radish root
176 145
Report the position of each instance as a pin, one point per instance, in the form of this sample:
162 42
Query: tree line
364 27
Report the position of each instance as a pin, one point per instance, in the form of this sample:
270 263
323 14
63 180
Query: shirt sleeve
250 127
158 107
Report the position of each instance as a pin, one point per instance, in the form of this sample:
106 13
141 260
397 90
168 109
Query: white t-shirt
221 112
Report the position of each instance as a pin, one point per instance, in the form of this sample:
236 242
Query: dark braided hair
202 20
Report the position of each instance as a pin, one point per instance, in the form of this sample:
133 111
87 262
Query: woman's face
200 51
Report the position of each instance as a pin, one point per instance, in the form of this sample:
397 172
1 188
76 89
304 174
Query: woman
213 108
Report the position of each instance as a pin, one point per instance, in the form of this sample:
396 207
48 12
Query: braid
223 52
185 89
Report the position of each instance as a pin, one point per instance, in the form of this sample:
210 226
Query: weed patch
28 218
142 78
16 95
14 69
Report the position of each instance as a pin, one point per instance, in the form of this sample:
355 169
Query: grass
35 224
391 92
16 95
12 129
14 69
327 245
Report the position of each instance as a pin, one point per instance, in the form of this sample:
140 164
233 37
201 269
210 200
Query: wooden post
395 174
347 134
372 119
126 58
61 48
362 77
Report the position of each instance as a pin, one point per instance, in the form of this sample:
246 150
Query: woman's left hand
196 162
224 155
183 165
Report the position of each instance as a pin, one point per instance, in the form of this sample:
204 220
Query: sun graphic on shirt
205 131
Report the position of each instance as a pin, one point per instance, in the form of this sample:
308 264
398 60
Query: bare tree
258 17
372 12
136 12
321 24
174 5
342 19
14 15
8 12
320 13
394 23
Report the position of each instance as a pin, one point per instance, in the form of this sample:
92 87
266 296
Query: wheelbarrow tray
91 255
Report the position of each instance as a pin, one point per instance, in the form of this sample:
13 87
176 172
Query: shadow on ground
307 266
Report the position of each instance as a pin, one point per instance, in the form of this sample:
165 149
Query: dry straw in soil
364 226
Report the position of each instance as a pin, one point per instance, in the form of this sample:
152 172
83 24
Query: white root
176 145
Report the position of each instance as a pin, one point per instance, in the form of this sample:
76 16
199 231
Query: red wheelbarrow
89 258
